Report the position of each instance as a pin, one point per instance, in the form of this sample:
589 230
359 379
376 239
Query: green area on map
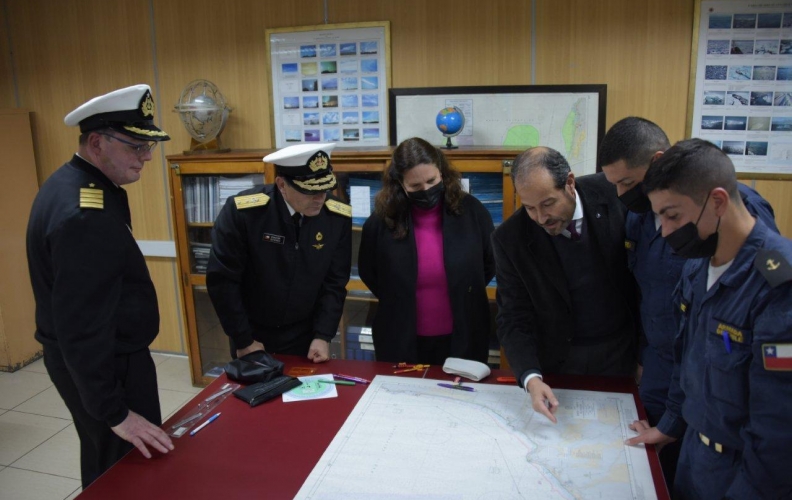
522 135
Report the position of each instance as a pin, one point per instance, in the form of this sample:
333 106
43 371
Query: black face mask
686 242
427 198
635 200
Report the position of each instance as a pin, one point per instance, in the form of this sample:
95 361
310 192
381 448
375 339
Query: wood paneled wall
640 49
68 51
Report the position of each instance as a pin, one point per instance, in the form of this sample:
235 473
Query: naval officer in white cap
96 308
281 258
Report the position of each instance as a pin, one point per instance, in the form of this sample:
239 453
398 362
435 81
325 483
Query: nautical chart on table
409 438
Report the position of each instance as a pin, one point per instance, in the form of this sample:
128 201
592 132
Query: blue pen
727 342
209 421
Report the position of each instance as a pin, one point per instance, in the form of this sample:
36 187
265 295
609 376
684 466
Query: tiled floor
39 449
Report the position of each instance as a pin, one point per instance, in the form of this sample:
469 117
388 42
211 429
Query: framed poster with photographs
741 88
329 83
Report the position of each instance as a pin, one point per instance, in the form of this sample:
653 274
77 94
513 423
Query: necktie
573 234
297 219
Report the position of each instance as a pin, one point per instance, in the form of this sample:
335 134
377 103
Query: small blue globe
450 121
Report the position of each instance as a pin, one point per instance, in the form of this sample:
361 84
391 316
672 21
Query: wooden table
268 451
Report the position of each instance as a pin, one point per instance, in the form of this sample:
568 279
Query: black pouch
257 366
258 393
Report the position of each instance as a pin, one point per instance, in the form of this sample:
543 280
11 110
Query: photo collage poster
743 93
330 86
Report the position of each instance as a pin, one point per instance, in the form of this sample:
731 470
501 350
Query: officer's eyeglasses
138 149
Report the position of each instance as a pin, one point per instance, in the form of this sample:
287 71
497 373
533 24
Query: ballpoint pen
727 341
336 382
208 421
350 377
458 387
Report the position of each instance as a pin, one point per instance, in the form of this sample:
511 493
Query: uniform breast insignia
722 329
777 357
683 306
92 198
251 200
773 266
339 208
319 237
629 244
274 238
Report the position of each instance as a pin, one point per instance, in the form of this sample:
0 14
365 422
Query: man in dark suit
562 278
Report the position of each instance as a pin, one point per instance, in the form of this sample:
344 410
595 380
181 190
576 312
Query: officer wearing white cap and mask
96 308
281 258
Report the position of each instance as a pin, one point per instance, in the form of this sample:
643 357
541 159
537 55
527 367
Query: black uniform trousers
100 447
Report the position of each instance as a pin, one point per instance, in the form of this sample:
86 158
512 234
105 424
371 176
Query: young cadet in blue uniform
96 307
731 390
281 258
625 154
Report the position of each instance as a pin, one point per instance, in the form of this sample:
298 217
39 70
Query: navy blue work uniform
657 271
730 393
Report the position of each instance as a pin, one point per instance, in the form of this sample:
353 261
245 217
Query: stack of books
488 188
204 196
359 343
200 253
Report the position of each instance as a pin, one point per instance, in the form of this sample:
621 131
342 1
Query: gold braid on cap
142 131
313 185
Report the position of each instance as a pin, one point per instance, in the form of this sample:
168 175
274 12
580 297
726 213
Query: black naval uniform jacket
94 295
389 267
535 318
268 287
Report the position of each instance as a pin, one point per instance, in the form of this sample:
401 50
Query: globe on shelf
450 122
203 111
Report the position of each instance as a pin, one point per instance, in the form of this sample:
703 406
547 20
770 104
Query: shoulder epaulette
92 198
773 266
251 200
339 208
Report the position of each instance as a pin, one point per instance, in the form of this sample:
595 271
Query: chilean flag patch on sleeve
777 357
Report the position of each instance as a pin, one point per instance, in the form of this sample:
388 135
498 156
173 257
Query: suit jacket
535 317
389 267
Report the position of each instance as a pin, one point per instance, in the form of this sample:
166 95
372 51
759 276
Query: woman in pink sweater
426 254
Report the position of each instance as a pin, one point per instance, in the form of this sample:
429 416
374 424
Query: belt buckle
704 439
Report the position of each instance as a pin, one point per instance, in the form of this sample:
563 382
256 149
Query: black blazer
389 268
535 322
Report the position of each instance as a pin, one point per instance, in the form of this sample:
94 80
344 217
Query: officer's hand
140 432
319 351
543 399
255 346
648 435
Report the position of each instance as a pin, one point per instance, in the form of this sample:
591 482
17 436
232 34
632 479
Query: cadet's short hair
541 157
634 140
693 168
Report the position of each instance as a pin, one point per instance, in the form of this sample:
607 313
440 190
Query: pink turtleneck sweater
433 305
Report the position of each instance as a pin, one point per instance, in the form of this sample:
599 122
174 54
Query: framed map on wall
568 118
329 83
